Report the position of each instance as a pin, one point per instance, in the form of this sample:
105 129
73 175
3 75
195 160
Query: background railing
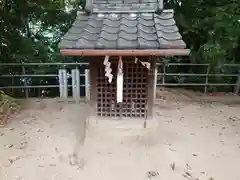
44 79
200 77
39 79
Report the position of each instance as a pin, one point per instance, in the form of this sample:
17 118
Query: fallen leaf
172 166
188 167
188 174
12 159
152 174
39 130
10 146
173 150
23 133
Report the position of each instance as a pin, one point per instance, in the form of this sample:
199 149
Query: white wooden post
63 86
237 88
87 85
75 84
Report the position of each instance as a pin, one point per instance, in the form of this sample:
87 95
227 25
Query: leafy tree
30 29
210 28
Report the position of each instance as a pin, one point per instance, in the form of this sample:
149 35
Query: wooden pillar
151 96
93 86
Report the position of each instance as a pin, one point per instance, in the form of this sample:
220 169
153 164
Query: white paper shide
108 69
120 81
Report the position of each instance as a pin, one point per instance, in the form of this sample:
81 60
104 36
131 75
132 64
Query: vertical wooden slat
93 84
155 83
151 89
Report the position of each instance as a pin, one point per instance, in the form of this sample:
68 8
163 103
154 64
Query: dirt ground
193 140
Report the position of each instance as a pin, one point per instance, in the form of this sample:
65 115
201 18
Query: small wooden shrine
122 40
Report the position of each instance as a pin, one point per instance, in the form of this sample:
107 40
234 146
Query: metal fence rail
20 72
164 76
205 75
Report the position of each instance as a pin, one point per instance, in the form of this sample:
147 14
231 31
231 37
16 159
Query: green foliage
210 28
8 106
31 30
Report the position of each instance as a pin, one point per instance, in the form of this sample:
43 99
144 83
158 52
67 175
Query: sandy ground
192 141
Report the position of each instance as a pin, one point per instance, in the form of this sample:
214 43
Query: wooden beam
154 52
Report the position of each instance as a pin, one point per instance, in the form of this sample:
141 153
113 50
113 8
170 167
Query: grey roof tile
93 30
126 44
72 37
79 24
148 1
127 29
123 31
164 15
124 5
129 23
83 17
105 44
131 1
145 44
100 1
95 23
66 44
176 44
113 30
128 36
84 44
130 16
165 22
167 29
147 29
88 36
169 36
148 36
111 23
147 16
74 30
113 17
108 36
145 22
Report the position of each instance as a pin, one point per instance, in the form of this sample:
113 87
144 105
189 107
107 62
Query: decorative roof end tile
89 6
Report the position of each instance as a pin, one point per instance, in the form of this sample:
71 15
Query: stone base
123 123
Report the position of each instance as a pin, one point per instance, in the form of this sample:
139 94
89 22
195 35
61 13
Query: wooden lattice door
135 90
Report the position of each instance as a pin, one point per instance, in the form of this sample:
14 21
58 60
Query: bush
8 106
